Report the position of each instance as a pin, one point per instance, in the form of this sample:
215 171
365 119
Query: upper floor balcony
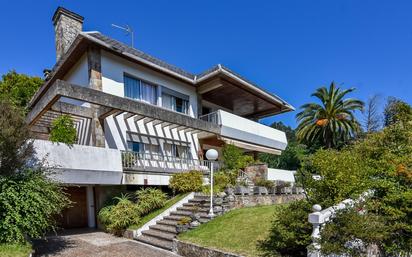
246 133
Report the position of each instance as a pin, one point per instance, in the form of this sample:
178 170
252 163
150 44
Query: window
140 90
175 103
177 151
134 146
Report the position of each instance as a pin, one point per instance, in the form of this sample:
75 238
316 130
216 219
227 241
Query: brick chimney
67 25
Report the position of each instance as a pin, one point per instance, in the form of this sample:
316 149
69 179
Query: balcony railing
212 117
139 161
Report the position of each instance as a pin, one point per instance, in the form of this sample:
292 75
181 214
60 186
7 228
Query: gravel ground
86 243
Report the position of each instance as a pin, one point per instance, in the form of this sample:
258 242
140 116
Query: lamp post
211 155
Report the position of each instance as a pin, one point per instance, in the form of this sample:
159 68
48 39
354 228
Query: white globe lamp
211 155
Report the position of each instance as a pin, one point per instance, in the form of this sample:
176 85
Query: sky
288 47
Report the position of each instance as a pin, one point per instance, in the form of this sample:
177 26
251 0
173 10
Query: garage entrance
76 215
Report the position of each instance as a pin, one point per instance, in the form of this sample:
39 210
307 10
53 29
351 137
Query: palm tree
332 120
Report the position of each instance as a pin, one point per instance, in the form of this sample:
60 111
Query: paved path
86 243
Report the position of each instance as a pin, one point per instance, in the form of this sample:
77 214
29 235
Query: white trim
159 217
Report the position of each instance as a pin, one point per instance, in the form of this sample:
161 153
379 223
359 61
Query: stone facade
259 171
67 25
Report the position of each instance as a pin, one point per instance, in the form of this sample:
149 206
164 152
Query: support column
94 61
91 218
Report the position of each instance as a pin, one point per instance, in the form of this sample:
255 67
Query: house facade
138 118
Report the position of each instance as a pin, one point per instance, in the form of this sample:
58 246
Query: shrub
29 202
234 158
116 218
290 232
63 130
184 182
16 148
150 199
264 183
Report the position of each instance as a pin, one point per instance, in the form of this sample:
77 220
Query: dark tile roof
127 49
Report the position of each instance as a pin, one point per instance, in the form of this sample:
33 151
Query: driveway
89 243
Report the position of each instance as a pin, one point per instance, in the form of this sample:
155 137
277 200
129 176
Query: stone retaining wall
255 200
187 249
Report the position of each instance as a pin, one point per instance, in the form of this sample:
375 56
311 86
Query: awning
251 147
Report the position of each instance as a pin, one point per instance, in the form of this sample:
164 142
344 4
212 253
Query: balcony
246 133
156 162
81 164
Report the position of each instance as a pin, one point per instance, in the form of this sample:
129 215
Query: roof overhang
260 102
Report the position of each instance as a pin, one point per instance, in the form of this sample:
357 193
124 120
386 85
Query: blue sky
288 47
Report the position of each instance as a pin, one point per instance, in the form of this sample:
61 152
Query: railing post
316 219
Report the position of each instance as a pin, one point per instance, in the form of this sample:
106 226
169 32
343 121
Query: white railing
160 162
212 117
319 217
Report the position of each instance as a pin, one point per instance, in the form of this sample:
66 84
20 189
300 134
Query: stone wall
258 171
255 200
186 249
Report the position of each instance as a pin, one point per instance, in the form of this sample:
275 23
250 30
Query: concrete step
199 200
192 208
159 234
167 222
164 228
181 213
173 217
157 242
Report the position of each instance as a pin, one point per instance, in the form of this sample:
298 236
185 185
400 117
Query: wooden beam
67 108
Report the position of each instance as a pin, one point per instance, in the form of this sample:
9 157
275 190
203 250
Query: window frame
155 85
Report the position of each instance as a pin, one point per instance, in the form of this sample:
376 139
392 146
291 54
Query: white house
138 118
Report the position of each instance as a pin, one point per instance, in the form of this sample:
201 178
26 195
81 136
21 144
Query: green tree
16 149
63 130
332 120
291 157
396 110
19 88
29 199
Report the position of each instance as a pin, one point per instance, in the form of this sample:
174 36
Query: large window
177 151
175 101
143 148
140 90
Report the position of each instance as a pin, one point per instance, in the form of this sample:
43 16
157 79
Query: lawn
143 220
15 250
237 231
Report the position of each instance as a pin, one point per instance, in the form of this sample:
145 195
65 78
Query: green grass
15 250
143 220
237 231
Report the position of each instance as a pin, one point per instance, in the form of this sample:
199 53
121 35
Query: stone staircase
162 234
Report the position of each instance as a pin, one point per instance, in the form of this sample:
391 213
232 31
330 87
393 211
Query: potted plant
242 188
262 186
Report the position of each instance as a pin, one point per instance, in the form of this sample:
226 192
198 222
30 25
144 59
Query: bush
29 202
116 218
264 183
184 182
63 130
290 232
150 199
234 158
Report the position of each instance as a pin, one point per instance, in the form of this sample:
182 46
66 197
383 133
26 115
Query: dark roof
127 49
